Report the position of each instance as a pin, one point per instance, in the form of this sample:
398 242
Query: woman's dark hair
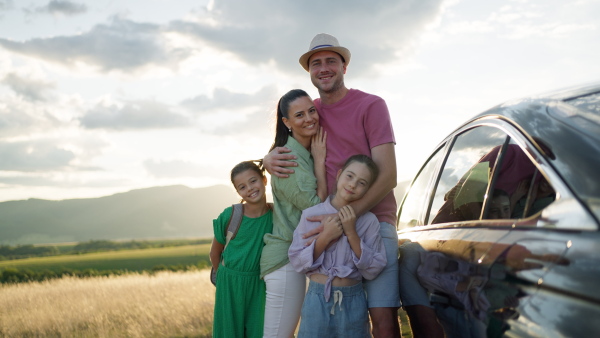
366 160
281 131
248 165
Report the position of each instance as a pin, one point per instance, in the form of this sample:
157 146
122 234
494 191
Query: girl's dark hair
248 165
366 160
499 193
281 131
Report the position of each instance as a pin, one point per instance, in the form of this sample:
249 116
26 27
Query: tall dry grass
167 304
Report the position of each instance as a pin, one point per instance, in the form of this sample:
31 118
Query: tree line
8 252
13 275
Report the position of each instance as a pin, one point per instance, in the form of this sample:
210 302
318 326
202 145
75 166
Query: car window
466 175
416 202
519 189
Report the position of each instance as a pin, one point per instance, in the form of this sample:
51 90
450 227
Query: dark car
499 231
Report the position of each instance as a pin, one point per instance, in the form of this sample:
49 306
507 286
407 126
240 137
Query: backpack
237 213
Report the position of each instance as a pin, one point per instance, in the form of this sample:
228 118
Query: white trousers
285 294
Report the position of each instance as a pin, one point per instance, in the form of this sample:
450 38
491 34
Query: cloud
527 20
44 180
58 7
121 45
133 115
257 123
235 27
30 89
223 98
5 5
18 118
550 30
33 156
175 168
34 181
238 113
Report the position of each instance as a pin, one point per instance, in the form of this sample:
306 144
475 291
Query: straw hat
323 42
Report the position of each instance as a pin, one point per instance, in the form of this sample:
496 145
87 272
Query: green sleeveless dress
240 296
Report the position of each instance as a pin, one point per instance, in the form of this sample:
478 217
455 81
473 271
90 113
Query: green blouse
290 197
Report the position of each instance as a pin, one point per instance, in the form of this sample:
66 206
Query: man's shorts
383 291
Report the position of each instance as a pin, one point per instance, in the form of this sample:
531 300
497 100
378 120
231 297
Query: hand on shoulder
277 161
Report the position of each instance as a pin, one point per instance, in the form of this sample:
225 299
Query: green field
130 260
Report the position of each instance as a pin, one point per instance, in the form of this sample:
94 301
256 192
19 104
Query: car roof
565 125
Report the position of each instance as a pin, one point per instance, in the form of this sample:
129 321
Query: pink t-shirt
354 125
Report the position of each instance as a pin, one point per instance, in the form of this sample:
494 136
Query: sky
105 96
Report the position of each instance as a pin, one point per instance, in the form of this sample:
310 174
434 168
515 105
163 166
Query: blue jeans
344 315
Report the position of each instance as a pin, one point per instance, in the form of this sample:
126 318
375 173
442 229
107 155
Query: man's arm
384 156
277 160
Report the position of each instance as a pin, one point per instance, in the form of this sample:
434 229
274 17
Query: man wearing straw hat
356 123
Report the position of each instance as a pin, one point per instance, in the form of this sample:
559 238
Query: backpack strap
237 213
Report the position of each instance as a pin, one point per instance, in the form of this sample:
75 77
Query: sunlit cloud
257 123
33 156
550 30
224 99
133 115
20 118
243 31
174 168
28 88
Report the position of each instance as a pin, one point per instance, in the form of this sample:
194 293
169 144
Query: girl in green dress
240 297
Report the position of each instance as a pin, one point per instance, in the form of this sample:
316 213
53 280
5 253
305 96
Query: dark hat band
321 46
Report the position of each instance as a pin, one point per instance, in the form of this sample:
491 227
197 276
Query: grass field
136 305
166 304
130 260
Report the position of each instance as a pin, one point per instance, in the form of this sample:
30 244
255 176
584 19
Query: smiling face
302 119
327 71
250 185
352 183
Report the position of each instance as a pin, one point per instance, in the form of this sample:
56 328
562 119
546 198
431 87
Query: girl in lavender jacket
336 261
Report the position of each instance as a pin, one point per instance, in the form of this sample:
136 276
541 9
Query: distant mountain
158 212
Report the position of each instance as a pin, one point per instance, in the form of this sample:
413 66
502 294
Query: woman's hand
318 149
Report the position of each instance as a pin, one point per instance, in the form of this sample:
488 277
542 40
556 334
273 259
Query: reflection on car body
499 231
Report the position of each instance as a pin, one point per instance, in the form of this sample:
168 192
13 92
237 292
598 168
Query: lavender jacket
339 260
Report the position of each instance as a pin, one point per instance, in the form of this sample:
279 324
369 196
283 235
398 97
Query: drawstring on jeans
337 298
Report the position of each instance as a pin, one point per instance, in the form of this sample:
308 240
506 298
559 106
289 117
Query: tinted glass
416 202
466 175
520 190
